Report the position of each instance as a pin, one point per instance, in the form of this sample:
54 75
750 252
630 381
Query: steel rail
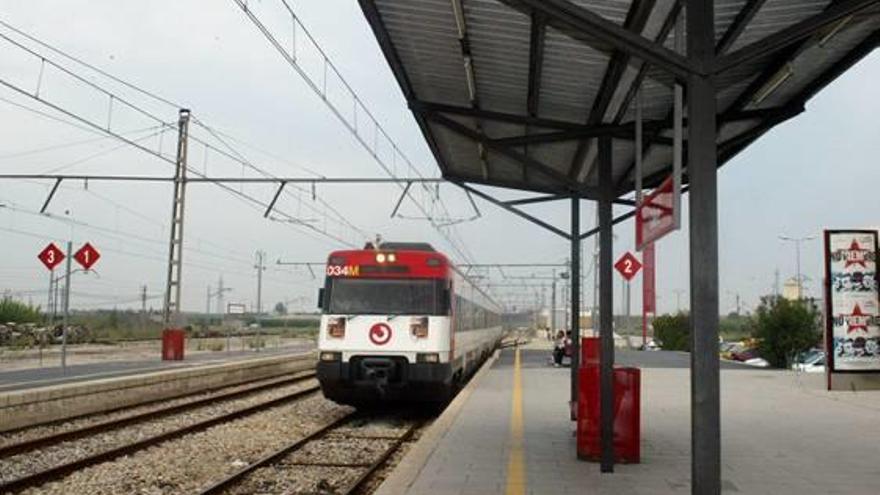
103 426
55 472
369 467
381 460
237 476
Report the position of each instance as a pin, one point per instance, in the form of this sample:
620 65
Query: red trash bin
627 415
173 340
589 351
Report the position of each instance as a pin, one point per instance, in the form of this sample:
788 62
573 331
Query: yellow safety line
516 471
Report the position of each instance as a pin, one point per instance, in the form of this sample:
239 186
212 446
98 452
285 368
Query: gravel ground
8 438
286 480
30 462
188 464
289 477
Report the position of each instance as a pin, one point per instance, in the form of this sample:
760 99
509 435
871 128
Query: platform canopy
514 93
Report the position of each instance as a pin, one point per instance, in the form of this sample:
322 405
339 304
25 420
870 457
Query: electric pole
260 267
66 307
678 293
144 300
175 247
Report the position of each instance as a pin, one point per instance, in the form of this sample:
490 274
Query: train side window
321 298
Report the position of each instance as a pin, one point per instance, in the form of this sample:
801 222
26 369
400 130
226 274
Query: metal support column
175 247
575 281
703 211
606 308
66 322
553 307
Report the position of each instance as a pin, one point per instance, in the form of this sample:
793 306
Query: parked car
816 364
744 354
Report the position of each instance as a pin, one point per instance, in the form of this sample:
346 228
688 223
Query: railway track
284 471
58 470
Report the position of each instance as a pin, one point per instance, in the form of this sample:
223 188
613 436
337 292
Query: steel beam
792 34
743 18
274 199
242 180
515 211
620 131
703 210
635 21
528 163
51 194
606 308
589 27
384 39
536 62
575 280
427 107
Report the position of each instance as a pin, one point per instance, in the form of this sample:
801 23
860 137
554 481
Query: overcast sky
816 171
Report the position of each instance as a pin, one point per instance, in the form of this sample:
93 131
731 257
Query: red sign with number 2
628 266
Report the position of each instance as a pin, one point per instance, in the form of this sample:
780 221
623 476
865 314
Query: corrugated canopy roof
514 92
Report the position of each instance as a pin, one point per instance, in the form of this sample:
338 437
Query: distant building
790 289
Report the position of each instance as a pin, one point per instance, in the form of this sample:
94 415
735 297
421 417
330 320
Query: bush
785 328
12 311
673 331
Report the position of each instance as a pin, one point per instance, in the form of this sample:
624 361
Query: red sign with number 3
51 256
628 266
87 256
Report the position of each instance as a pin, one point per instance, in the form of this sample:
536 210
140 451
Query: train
400 323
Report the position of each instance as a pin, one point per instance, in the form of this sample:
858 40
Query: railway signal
628 266
87 256
51 256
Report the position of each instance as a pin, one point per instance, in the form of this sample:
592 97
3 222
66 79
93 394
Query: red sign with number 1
87 256
628 266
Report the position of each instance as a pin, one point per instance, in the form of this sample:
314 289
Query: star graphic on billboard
855 255
856 320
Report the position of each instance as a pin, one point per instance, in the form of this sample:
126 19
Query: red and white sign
51 256
655 216
87 256
380 334
628 266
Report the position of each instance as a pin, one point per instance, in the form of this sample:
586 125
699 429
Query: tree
280 308
673 331
12 311
785 328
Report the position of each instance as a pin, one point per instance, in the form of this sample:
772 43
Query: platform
782 434
27 378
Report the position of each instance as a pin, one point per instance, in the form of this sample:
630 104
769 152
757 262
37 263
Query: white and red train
400 322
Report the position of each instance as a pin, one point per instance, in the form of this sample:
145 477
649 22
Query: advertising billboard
851 297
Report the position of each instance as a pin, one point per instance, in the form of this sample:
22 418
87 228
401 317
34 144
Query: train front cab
385 330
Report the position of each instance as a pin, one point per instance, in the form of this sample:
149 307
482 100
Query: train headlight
380 258
427 357
331 356
392 258
419 327
336 328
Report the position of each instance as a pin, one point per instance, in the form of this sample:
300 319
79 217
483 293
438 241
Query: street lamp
797 245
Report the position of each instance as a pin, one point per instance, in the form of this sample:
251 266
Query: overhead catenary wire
106 130
378 129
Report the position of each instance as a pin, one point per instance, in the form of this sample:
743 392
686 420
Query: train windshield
363 296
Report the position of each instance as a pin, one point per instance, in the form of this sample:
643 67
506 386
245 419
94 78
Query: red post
649 299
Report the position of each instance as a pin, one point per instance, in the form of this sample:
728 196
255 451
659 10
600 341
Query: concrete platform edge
23 408
404 475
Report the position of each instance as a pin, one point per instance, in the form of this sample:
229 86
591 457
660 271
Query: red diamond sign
628 266
87 256
51 256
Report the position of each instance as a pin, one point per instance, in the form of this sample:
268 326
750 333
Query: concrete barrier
39 405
